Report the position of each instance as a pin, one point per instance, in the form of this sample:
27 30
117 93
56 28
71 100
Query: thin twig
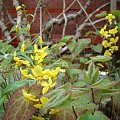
69 17
64 27
93 97
86 14
41 18
36 9
76 116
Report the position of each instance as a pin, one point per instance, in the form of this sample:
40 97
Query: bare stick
69 17
86 14
64 27
36 9
41 18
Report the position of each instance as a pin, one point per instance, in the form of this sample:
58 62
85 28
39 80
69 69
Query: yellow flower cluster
110 36
47 78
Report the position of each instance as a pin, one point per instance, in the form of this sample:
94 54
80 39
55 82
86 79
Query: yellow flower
53 73
47 85
20 62
35 48
40 39
114 48
39 53
16 28
106 44
28 27
37 71
114 40
37 118
43 101
114 31
104 33
25 74
28 97
110 17
18 8
105 26
53 111
23 47
107 53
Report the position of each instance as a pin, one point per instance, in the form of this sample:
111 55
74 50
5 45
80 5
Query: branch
82 26
64 27
86 14
9 16
19 17
36 9
5 31
69 17
3 27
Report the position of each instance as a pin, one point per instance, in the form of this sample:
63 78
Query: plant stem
113 108
93 98
74 112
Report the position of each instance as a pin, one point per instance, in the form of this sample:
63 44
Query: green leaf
3 99
71 45
95 76
57 101
119 26
60 44
83 60
102 14
93 116
100 58
61 63
73 73
91 69
5 64
17 84
65 39
25 57
83 102
86 77
110 92
79 83
103 84
17 108
97 32
81 45
115 12
97 48
88 33
1 113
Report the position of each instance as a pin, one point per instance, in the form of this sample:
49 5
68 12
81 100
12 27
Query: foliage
40 82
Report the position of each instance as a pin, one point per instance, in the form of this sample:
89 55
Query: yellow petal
44 83
50 81
40 39
35 48
38 106
53 111
28 27
37 70
44 100
18 8
28 96
23 47
38 118
45 90
44 48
